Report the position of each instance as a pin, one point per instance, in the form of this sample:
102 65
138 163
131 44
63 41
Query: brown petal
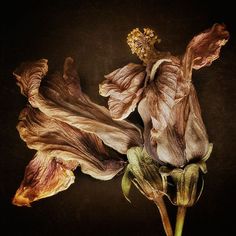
150 145
43 133
124 88
196 138
171 143
29 83
61 98
204 48
61 148
161 94
44 177
165 112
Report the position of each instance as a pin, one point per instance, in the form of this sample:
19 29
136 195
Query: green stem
180 220
164 216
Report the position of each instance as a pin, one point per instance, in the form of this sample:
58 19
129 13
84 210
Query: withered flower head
68 130
174 132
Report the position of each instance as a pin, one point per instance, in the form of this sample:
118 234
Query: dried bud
184 186
143 172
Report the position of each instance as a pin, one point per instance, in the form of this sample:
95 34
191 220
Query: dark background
94 33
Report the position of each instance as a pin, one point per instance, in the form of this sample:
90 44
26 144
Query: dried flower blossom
143 172
68 130
174 132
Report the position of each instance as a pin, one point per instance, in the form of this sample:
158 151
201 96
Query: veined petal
204 48
161 94
43 133
44 177
196 138
124 87
61 98
61 148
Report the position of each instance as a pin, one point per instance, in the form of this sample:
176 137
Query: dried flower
68 130
143 172
174 132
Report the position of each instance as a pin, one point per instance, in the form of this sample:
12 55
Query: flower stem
164 216
180 220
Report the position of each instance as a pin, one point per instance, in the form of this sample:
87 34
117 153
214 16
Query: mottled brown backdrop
94 33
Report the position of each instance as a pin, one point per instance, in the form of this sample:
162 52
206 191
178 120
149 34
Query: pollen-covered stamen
142 44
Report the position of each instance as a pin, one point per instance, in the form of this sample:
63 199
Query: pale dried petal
196 138
144 111
66 142
61 98
161 94
124 87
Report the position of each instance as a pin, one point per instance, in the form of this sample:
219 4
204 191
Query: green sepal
143 172
184 186
126 183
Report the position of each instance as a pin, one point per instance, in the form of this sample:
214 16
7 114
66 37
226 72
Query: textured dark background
94 33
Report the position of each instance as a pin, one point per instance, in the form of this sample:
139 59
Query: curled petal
124 87
161 95
29 83
156 108
61 98
61 148
149 144
45 134
204 48
171 113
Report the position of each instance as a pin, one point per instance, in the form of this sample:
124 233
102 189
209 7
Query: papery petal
161 96
66 142
30 82
170 143
204 48
150 145
61 98
165 112
196 138
61 148
44 177
124 88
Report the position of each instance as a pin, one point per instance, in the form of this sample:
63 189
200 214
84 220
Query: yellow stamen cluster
142 44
